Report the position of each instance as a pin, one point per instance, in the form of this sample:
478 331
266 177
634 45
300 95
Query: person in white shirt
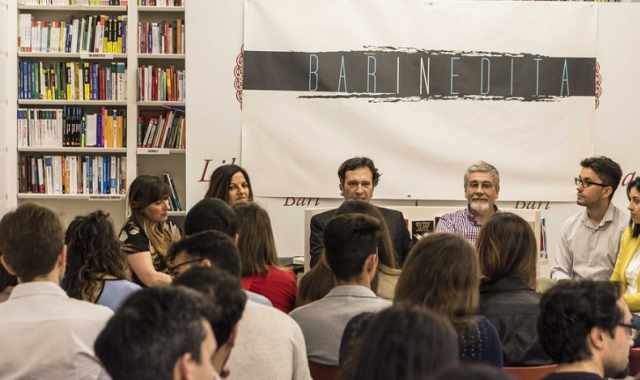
44 333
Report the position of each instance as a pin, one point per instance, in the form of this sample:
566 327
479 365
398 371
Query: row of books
98 3
88 34
72 174
161 130
158 83
161 3
71 127
174 200
161 37
72 81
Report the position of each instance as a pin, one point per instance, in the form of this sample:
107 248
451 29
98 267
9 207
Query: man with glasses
589 240
585 327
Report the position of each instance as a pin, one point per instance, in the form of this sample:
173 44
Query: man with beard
481 188
589 240
585 327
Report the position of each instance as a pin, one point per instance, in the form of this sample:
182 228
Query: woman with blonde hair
148 233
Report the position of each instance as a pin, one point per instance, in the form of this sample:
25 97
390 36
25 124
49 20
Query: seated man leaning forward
351 242
481 188
358 178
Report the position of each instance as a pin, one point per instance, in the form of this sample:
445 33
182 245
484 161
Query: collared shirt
461 222
47 335
588 251
323 321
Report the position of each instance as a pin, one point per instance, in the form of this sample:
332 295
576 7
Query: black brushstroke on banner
391 74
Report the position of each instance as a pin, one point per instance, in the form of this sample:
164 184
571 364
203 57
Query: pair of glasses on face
630 330
173 271
584 183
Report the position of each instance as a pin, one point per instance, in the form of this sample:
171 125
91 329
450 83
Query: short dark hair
406 342
634 184
220 181
31 239
607 169
211 214
223 291
568 312
349 239
215 246
356 163
150 331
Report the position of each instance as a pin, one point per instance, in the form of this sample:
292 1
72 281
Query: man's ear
371 264
341 187
7 266
62 258
206 263
236 238
182 369
596 339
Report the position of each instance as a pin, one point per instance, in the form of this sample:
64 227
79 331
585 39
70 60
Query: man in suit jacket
358 178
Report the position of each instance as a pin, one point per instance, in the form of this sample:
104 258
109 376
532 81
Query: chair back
530 373
634 361
323 372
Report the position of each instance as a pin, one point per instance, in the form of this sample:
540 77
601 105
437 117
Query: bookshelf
113 102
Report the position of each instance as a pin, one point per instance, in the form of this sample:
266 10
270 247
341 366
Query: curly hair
93 252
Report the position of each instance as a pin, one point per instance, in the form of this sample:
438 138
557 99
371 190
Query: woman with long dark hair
231 184
97 269
260 270
148 232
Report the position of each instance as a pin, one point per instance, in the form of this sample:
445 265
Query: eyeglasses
173 271
631 331
586 183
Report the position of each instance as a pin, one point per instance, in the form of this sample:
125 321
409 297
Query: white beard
480 206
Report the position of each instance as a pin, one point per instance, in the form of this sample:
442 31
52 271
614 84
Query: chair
323 372
530 373
634 361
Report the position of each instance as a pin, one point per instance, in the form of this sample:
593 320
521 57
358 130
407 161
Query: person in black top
585 326
148 232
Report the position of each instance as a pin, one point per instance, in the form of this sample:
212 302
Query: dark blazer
395 222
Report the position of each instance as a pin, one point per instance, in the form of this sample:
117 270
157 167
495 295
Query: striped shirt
461 222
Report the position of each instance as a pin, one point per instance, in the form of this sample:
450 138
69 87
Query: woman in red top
260 271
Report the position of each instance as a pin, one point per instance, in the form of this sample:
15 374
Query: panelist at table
358 179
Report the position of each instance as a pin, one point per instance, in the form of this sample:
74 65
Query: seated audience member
260 270
481 188
358 178
149 232
507 252
316 283
227 302
159 334
404 342
585 327
44 333
209 248
589 240
627 269
269 344
442 274
231 184
350 242
7 282
97 268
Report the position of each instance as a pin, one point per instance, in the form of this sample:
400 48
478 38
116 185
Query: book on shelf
161 83
71 127
163 37
174 200
72 80
161 3
88 34
88 3
158 129
72 174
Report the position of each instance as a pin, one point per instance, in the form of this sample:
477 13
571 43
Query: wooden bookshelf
160 56
160 103
73 8
157 9
65 149
41 102
159 151
82 56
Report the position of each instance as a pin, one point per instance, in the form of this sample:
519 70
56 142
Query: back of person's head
31 240
315 284
145 190
607 169
349 240
442 273
255 242
211 214
570 310
223 291
507 248
386 251
93 251
220 182
405 342
151 332
470 371
215 246
354 163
